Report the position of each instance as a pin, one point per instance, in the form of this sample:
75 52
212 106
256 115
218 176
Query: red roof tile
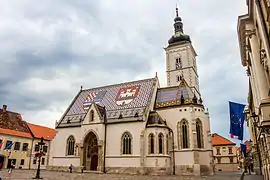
15 133
42 131
218 140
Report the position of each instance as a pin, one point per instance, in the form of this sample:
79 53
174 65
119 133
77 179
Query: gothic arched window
151 143
92 115
126 143
183 134
160 143
199 133
70 145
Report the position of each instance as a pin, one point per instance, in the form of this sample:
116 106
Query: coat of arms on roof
126 95
95 96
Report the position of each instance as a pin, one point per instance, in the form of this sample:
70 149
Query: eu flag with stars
237 118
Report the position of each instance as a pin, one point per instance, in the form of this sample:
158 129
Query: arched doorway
90 160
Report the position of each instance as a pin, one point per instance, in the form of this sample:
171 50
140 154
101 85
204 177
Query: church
139 127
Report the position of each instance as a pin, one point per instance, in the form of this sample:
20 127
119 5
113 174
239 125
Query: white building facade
253 33
137 127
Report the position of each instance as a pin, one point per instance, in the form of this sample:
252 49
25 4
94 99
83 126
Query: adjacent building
18 141
253 32
38 132
138 126
225 154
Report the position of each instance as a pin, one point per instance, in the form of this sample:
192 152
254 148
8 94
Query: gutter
105 141
173 153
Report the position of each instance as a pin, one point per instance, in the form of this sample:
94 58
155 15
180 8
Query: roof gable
126 98
218 140
171 96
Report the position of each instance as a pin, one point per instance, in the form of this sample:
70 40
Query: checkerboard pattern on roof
172 96
141 100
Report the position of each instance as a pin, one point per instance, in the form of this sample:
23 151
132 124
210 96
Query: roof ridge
127 82
40 126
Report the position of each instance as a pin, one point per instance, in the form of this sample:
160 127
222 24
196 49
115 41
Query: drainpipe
105 140
173 153
31 149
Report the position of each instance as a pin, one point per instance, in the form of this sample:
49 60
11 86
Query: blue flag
237 118
244 149
9 146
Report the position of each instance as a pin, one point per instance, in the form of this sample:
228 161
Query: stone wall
226 167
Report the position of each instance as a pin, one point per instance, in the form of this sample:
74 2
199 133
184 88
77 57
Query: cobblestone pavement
50 175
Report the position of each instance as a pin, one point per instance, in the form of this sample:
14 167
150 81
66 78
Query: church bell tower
181 58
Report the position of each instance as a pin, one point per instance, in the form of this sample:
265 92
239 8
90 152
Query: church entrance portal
90 160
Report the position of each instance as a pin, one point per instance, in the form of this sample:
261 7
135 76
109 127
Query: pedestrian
11 167
248 161
70 168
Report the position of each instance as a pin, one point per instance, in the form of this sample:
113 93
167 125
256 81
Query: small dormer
96 113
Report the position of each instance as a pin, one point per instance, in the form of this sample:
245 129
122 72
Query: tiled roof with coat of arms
128 99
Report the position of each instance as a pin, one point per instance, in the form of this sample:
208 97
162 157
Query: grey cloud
78 40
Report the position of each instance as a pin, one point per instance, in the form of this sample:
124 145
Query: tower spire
176 9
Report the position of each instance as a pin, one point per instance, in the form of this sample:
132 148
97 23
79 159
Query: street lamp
256 122
40 144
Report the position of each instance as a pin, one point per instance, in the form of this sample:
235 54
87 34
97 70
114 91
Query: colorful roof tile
154 119
42 131
218 140
126 98
177 95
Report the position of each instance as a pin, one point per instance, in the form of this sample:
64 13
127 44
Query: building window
231 160
42 161
178 78
230 150
45 149
126 143
183 134
178 63
8 143
218 160
36 147
22 162
160 143
92 115
70 145
151 143
17 146
25 147
199 134
34 161
218 151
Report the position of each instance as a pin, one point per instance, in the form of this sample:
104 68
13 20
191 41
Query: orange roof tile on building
218 140
42 131
15 133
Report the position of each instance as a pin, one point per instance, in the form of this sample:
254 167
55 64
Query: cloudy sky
48 49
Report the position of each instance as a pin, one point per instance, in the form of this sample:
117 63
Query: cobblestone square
52 175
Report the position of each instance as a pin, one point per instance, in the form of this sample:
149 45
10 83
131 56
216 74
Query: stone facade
253 33
138 127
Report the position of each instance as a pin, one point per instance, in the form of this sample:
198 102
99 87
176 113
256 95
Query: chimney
4 108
